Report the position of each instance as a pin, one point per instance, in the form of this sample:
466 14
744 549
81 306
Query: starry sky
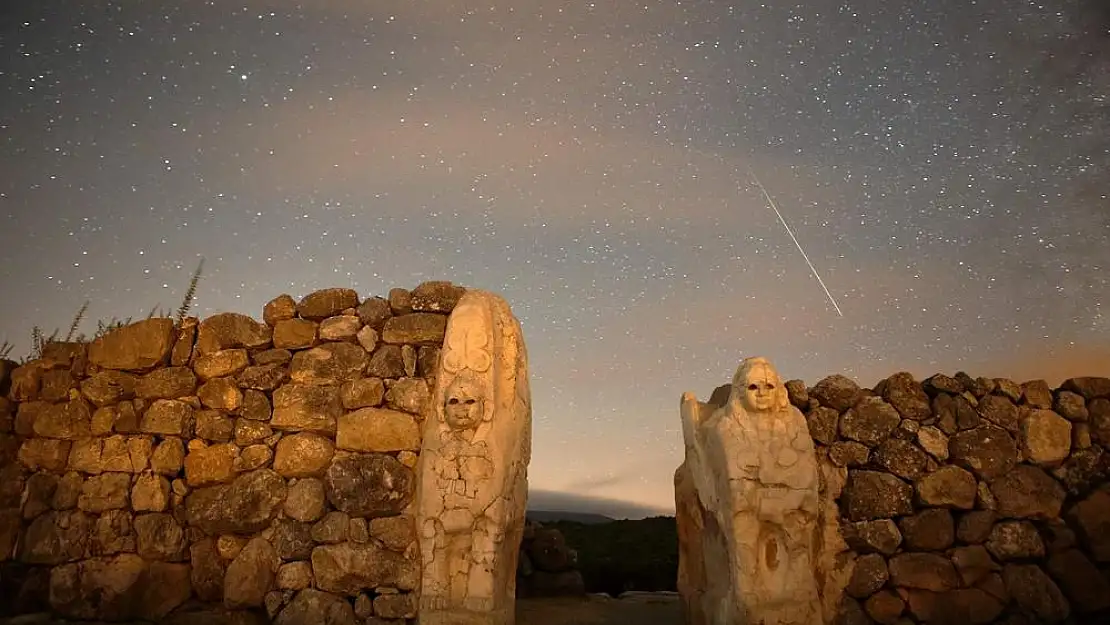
945 166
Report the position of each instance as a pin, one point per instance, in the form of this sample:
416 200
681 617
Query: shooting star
813 269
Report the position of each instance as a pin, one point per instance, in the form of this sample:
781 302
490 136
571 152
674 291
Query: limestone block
377 430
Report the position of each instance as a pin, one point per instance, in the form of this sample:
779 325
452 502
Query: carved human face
463 407
761 389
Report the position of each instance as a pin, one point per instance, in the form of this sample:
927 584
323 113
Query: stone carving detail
473 468
748 506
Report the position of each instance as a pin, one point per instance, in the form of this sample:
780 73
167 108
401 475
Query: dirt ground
640 609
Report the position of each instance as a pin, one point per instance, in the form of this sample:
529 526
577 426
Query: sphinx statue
747 507
473 486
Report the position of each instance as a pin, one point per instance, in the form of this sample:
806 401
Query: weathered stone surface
1071 406
347 568
151 493
38 494
868 576
67 492
1088 387
221 394
328 364
948 487
395 606
301 407
926 571
415 328
56 537
410 395
963 606
974 527
122 587
1036 593
313 607
973 563
436 296
1014 540
263 377
340 328
940 383
211 465
362 393
278 309
291 539
294 576
230 331
326 303
1001 412
1026 492
136 347
224 363
870 421
386 362
108 491
377 430
1045 437
906 395
823 424
934 442
167 383
902 458
256 406
184 339
166 417
214 426
275 356
332 528
159 537
849 454
67 421
249 432
1036 394
885 607
986 451
253 457
108 387
246 505
374 311
44 454
369 485
396 532
837 392
1084 585
303 455
250 575
929 530
168 457
875 495
306 501
1091 518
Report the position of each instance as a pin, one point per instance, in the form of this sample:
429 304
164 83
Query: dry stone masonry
231 465
961 500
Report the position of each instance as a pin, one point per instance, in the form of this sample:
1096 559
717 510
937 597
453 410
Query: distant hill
551 516
570 503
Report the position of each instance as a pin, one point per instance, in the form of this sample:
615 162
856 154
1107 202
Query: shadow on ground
631 609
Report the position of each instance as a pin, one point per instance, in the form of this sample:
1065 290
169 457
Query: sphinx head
464 405
758 388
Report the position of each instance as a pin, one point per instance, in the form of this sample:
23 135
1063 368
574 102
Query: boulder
224 363
250 575
870 421
986 451
303 454
1036 593
415 328
875 495
328 364
837 392
926 571
947 487
436 296
301 407
278 309
906 395
247 505
120 588
369 485
1015 540
1045 437
230 331
347 568
313 607
326 303
377 430
138 346
1027 492
167 383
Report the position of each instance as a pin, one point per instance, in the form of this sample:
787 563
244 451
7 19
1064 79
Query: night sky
945 165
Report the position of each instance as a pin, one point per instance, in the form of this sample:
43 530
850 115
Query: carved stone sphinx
748 507
473 468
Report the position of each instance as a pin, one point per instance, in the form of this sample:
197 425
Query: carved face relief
759 387
463 406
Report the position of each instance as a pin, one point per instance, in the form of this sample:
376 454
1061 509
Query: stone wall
260 465
969 500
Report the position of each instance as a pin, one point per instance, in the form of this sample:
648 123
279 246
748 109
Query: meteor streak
813 269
